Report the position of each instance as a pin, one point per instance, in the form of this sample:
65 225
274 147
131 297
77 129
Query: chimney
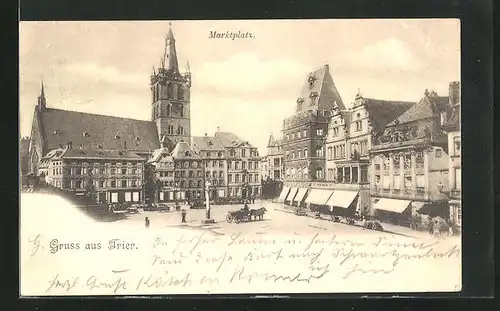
218 129
454 92
124 145
69 145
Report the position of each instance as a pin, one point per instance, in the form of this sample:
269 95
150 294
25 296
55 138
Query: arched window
170 91
319 173
169 109
181 110
180 130
180 93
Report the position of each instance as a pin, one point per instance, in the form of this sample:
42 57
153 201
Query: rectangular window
305 153
113 171
364 173
386 182
298 134
396 184
124 183
420 181
237 165
438 153
128 196
458 179
135 197
113 184
114 197
250 178
244 165
304 133
354 174
237 178
319 132
340 174
229 164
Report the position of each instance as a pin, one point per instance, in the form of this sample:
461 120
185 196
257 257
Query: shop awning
341 198
318 197
283 194
392 205
300 195
292 194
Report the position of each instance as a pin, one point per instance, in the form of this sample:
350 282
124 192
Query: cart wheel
229 218
237 220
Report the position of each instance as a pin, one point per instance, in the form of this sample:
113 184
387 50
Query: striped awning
342 198
292 194
283 194
300 194
318 196
392 205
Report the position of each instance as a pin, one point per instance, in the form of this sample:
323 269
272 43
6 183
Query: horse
258 213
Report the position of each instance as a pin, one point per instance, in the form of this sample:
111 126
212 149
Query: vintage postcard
240 157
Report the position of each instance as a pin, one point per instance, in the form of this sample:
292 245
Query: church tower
170 97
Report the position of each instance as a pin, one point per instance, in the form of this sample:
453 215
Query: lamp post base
208 221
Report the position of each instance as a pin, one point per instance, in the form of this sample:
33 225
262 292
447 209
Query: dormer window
56 132
86 134
117 137
186 153
311 80
99 146
137 138
313 94
300 100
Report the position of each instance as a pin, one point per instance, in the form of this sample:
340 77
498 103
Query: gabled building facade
304 133
243 169
110 176
410 163
213 155
275 164
348 144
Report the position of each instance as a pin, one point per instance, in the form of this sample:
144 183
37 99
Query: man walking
146 222
183 214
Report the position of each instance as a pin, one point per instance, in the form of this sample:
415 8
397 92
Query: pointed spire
187 67
154 71
41 99
271 141
170 54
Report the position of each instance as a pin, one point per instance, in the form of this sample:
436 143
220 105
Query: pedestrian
253 199
146 222
183 214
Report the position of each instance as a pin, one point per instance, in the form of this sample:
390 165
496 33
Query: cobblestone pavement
278 219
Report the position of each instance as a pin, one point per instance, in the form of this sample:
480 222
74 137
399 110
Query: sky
244 86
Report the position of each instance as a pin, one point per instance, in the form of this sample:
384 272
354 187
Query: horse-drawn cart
245 215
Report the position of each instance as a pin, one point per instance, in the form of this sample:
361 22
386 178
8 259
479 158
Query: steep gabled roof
383 112
229 140
205 143
427 107
183 151
91 130
319 83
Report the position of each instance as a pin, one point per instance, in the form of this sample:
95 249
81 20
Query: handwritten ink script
200 262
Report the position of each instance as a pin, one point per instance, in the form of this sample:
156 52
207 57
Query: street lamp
207 198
